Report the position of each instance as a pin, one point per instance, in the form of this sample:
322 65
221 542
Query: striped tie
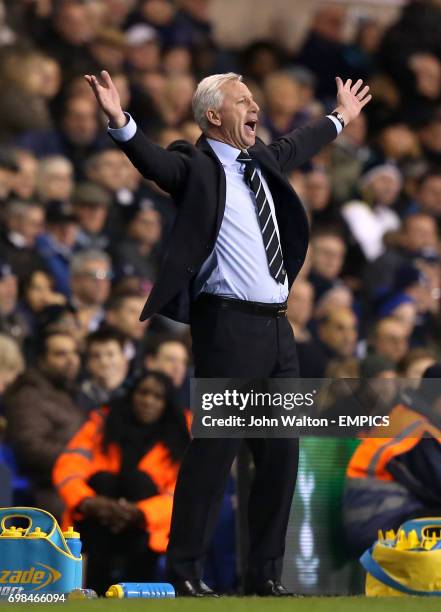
266 221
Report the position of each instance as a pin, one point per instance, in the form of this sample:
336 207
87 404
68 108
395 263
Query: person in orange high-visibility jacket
117 477
397 477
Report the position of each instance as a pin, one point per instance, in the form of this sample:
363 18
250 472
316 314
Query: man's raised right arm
167 168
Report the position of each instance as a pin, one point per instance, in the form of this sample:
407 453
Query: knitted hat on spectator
140 34
389 305
60 212
92 195
380 170
139 205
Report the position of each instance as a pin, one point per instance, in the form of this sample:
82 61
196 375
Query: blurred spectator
325 40
428 196
143 49
317 199
390 339
361 55
139 247
369 220
418 238
429 134
36 293
79 134
177 60
125 461
419 21
12 321
106 368
413 365
122 313
283 112
11 364
26 177
66 36
260 59
8 172
336 339
22 107
349 153
300 307
23 223
56 246
396 144
108 49
91 206
91 274
170 356
54 179
112 170
339 296
327 257
176 102
42 415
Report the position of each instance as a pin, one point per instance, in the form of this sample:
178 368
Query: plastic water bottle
75 545
73 541
152 590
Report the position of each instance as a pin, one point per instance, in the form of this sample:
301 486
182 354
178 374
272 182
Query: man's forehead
237 88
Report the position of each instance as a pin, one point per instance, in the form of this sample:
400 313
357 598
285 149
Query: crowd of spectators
82 234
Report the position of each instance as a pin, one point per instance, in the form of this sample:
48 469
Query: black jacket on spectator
194 177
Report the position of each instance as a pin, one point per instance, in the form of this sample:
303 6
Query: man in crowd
91 273
390 339
23 223
43 415
337 339
107 367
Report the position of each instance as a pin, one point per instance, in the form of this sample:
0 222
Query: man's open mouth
250 127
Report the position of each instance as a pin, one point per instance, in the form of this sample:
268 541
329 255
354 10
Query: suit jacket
194 177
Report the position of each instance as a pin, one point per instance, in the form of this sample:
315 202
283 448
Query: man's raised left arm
294 149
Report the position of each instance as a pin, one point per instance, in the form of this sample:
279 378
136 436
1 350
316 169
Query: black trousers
232 344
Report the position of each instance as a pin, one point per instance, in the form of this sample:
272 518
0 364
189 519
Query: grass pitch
246 604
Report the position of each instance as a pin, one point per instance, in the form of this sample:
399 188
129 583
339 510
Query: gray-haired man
239 240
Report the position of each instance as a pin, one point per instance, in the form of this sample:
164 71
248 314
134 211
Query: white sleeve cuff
125 133
335 121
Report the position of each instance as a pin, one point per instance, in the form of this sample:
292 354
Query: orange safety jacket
406 428
83 457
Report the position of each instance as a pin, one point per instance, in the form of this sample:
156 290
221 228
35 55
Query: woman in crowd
117 477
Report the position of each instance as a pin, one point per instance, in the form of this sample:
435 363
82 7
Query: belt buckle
281 312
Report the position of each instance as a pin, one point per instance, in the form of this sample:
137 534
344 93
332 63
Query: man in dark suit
239 240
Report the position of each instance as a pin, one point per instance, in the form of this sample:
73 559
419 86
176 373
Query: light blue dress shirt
238 266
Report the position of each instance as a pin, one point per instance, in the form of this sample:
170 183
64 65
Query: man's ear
213 117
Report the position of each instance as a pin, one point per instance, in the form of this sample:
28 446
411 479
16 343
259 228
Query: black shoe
193 588
268 588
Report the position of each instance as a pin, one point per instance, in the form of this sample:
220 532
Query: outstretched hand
351 98
108 98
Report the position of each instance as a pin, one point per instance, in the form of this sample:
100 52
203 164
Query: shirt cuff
125 133
335 121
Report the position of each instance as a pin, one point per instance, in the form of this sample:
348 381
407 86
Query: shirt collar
225 152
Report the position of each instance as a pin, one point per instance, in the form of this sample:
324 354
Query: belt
256 308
